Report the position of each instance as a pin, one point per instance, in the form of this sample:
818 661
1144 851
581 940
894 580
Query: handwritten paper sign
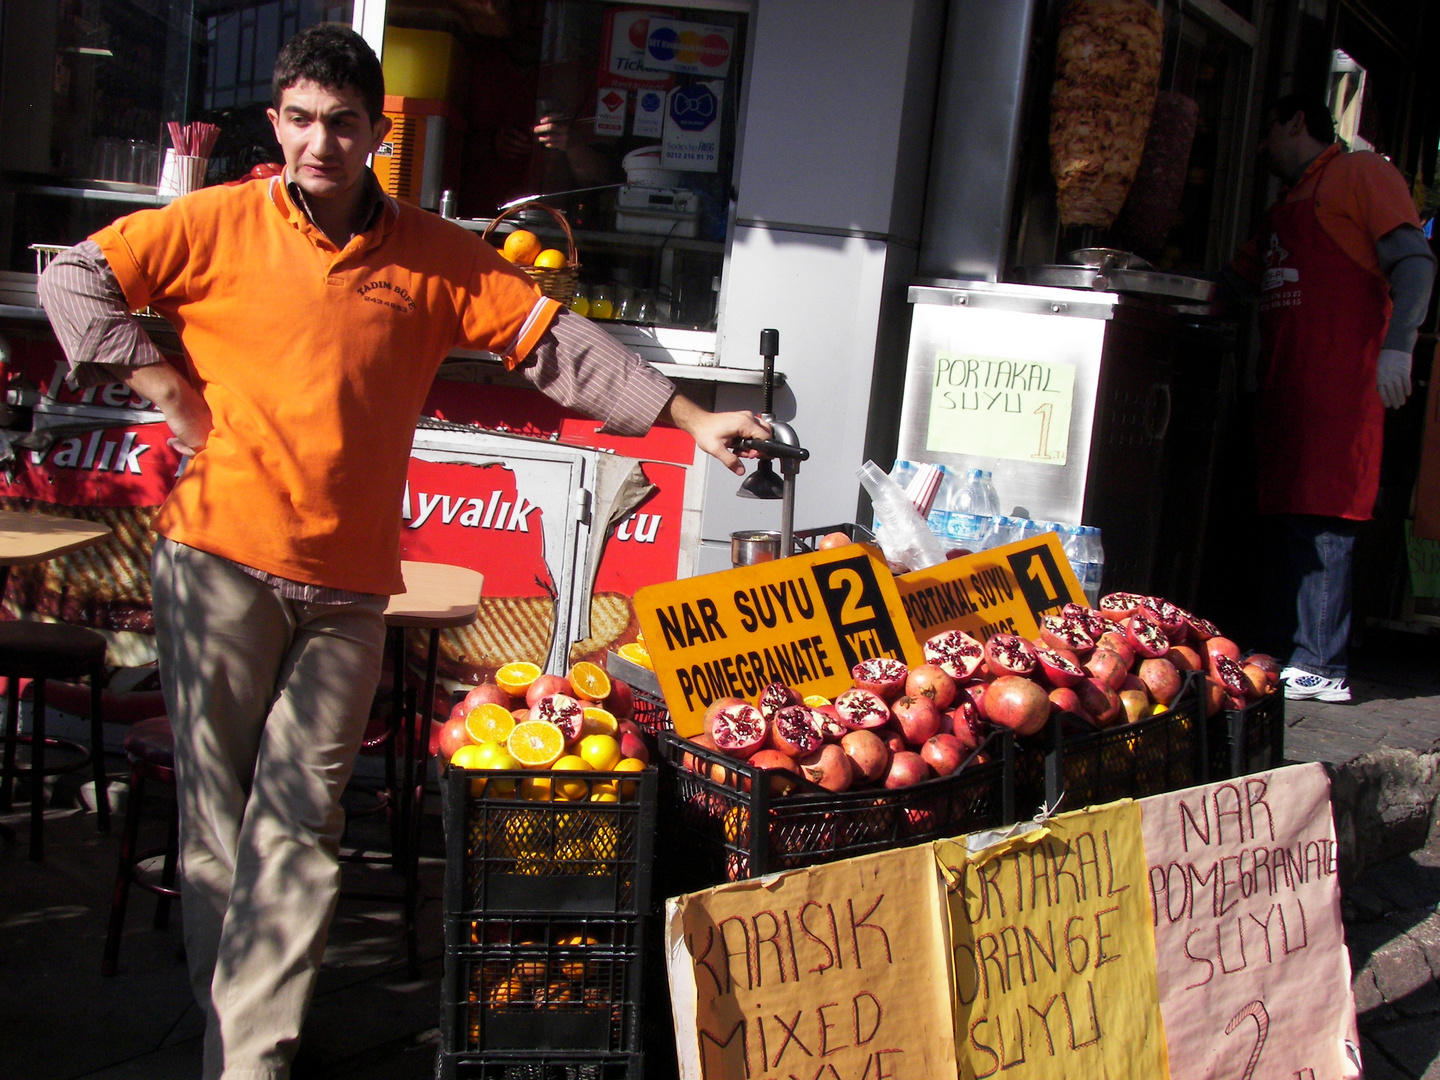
804 621
992 406
1253 974
836 972
1005 588
1054 969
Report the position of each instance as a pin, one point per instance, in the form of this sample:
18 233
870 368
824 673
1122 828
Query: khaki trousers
268 699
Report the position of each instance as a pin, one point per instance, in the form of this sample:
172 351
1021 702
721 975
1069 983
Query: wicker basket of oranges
556 272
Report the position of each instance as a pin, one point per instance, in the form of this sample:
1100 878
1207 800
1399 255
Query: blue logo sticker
650 101
693 108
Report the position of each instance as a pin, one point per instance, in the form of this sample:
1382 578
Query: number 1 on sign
1046 413
1036 572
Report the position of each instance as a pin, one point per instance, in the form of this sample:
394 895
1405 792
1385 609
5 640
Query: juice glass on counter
602 302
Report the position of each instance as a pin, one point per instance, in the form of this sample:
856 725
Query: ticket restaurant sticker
1250 952
1003 589
1051 952
833 972
993 406
804 621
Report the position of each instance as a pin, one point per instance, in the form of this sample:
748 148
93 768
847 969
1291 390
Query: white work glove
1392 377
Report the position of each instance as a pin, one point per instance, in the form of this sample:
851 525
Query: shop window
1347 100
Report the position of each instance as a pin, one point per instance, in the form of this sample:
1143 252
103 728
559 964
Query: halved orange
816 700
536 744
490 723
599 721
589 681
636 653
515 677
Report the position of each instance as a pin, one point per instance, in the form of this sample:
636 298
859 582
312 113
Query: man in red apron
1344 276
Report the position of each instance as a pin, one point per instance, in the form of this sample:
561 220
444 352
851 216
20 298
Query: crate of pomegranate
1246 722
1107 703
784 782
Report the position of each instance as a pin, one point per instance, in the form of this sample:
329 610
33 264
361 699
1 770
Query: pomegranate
633 746
1185 658
1167 616
893 740
1222 645
1108 667
917 717
1010 654
1099 701
829 767
930 680
544 686
630 727
944 753
794 731
453 736
1161 678
1215 697
1146 635
906 769
1229 674
867 753
1135 705
1116 641
1091 620
1017 703
833 540
739 730
620 702
487 693
1119 606
1201 630
881 675
1064 699
1259 682
832 728
775 697
1058 669
520 715
1266 663
976 693
563 711
775 760
862 709
966 723
956 653
1058 632
692 761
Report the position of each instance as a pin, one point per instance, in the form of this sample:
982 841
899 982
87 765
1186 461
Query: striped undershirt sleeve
580 366
91 319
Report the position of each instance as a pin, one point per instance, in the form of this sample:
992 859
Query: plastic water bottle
971 515
1094 563
1007 530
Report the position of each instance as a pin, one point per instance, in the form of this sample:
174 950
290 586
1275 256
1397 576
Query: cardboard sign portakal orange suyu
804 621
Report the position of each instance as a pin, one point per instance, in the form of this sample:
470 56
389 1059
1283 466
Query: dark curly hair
1318 121
335 57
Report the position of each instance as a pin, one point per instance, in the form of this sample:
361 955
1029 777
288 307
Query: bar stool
150 747
40 651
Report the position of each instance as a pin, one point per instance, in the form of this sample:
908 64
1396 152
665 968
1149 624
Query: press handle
771 448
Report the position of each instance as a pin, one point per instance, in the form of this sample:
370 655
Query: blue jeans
1312 601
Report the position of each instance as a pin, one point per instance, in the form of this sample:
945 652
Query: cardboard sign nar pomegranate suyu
804 621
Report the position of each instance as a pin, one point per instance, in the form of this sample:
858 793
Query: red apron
1320 422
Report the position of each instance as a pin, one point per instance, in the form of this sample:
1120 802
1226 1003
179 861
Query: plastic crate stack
1247 740
546 906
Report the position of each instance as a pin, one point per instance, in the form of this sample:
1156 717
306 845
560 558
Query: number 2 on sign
852 611
1254 1011
1035 571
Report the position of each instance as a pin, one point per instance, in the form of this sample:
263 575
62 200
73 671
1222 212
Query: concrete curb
1385 805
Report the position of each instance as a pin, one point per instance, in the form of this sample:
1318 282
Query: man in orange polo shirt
314 312
1344 275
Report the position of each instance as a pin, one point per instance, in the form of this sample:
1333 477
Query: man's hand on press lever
184 409
1392 377
713 432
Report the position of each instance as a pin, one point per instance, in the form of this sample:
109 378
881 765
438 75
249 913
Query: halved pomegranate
1060 632
862 709
881 675
739 730
1010 654
831 728
564 712
1146 635
794 731
1060 670
774 698
956 653
1167 616
1094 623
1230 675
1119 606
1201 630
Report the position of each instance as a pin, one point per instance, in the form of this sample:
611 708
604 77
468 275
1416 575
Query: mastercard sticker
689 48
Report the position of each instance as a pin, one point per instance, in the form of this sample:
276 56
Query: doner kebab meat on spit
1107 70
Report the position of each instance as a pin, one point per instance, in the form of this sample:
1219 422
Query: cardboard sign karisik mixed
1195 934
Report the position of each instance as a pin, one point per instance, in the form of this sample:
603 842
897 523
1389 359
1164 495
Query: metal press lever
773 448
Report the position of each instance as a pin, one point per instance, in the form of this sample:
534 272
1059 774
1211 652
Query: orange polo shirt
1358 199
315 363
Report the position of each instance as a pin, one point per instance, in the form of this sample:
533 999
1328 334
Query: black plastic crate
650 712
724 824
507 853
527 984
1248 740
461 1066
1090 765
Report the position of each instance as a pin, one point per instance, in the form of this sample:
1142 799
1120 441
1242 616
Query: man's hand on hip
1392 377
713 432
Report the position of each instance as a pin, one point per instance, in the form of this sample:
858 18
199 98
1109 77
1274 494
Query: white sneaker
1300 685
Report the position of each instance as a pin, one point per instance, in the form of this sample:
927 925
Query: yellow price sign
803 621
1003 589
